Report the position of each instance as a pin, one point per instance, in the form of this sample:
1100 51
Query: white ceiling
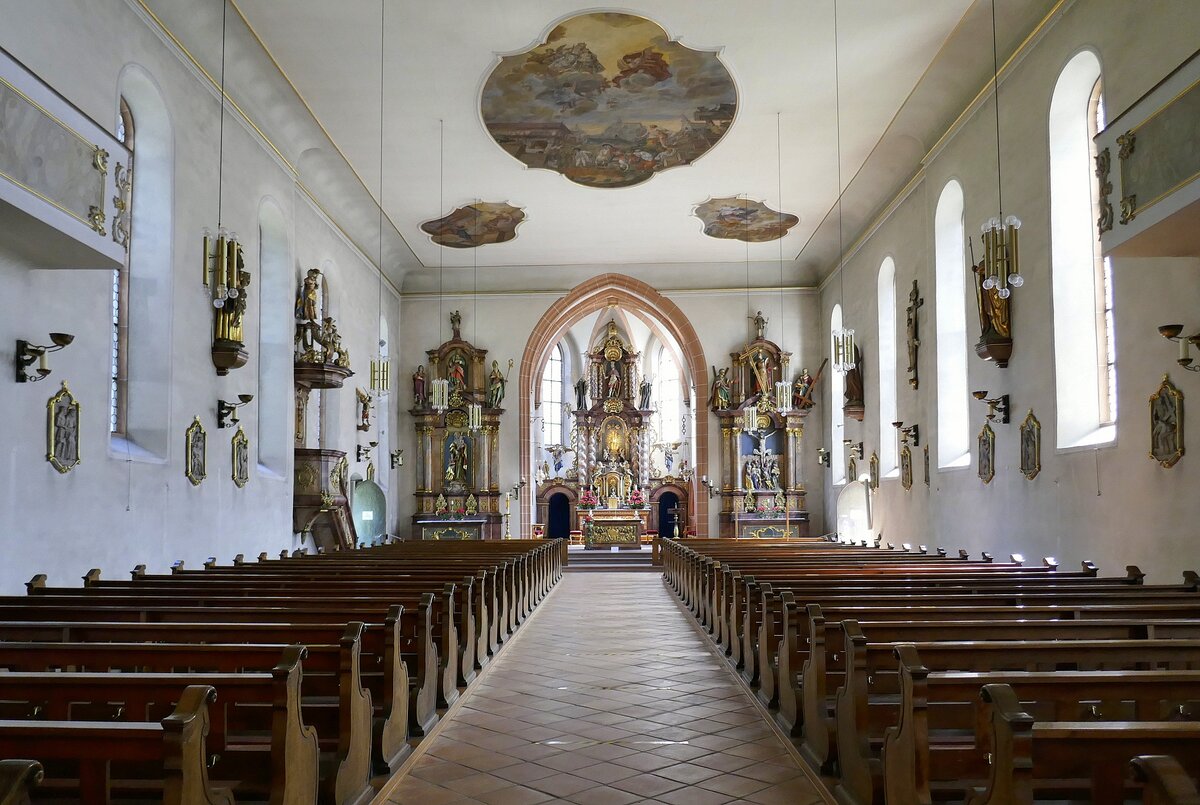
780 53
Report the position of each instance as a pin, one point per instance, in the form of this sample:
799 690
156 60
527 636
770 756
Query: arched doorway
667 501
558 516
631 299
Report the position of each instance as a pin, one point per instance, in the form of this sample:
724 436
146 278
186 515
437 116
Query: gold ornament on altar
472 507
440 506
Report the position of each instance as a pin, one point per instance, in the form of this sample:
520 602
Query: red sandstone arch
602 291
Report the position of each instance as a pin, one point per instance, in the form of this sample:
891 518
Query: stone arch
597 293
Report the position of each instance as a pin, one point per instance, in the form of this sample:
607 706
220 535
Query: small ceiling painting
608 100
742 219
476 225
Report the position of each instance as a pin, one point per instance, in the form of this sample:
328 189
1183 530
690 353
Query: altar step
580 560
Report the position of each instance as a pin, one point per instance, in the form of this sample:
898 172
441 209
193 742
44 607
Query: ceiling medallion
741 219
608 100
476 225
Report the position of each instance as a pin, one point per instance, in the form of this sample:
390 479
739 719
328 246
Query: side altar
609 468
761 412
456 414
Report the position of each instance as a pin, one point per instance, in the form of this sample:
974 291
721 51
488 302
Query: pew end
239 560
1017 559
38 582
17 779
1089 567
1050 562
91 577
1166 782
138 572
987 557
962 554
1191 579
210 563
177 567
1134 574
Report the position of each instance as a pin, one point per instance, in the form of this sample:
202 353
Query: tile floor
609 695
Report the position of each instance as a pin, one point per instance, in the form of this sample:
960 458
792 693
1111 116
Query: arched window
837 418
147 295
552 398
1084 361
670 398
886 295
119 388
953 432
275 328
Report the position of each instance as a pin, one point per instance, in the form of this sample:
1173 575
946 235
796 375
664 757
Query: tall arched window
1084 363
148 292
953 433
837 418
552 398
119 388
886 295
669 398
275 327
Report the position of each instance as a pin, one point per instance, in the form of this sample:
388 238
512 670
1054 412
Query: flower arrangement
637 499
453 513
588 522
588 500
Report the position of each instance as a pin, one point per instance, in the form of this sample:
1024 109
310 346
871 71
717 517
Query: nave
608 695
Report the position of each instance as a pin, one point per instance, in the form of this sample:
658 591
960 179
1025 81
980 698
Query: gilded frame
1166 424
1031 446
987 453
195 452
63 403
906 467
240 455
873 469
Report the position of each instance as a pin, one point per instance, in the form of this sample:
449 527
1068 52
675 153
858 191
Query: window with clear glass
118 363
950 267
837 418
552 399
669 398
886 300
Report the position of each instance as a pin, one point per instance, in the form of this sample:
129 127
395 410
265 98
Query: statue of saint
854 382
720 396
802 390
760 325
306 300
496 386
456 461
418 381
614 382
364 409
456 324
644 390
458 373
581 387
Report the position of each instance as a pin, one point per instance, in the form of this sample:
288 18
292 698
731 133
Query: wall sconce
227 412
397 459
27 354
824 457
997 406
360 452
856 449
709 485
1171 332
912 432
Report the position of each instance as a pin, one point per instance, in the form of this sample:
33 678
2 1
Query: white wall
111 512
1112 504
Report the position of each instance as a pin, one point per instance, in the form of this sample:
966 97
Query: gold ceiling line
407 295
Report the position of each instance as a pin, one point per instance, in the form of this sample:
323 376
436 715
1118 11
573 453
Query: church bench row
262 609
17 779
171 754
835 576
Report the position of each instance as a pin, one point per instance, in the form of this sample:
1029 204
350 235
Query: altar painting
608 100
456 460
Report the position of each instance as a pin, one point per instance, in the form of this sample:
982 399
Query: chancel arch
651 311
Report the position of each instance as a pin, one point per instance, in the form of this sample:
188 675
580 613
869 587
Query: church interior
514 403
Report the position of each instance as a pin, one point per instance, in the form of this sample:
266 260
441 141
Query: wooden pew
1165 781
17 779
1064 759
172 752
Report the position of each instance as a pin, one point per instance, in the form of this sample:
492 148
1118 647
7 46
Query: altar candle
507 502
1184 355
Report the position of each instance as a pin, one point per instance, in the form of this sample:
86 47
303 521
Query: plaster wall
130 503
1110 504
504 322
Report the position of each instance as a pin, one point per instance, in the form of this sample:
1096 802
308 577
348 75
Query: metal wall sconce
227 412
910 434
856 449
360 452
397 459
1171 332
824 457
709 485
997 406
27 354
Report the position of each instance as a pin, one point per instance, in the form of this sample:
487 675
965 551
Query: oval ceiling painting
608 100
742 219
476 225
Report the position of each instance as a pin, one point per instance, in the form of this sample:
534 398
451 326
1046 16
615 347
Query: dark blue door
558 517
666 520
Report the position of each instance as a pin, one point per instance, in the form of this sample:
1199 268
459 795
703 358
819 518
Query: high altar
457 468
610 445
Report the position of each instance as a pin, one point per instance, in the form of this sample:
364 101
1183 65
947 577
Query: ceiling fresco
734 218
608 100
476 224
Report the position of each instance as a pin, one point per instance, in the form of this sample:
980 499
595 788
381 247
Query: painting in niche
906 473
241 459
734 218
1166 424
608 100
987 454
62 438
456 458
1031 446
195 452
475 225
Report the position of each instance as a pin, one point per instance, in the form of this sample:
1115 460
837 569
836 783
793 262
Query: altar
451 529
642 514
796 525
620 528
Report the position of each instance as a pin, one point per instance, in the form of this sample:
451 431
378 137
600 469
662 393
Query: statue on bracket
364 409
418 381
995 320
456 325
581 388
760 325
644 390
720 397
915 302
497 383
855 406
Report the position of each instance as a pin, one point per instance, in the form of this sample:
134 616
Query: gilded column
727 459
483 476
493 463
427 439
793 456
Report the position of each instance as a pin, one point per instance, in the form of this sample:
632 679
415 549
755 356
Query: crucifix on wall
915 302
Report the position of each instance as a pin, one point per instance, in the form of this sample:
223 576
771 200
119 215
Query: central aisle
608 695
